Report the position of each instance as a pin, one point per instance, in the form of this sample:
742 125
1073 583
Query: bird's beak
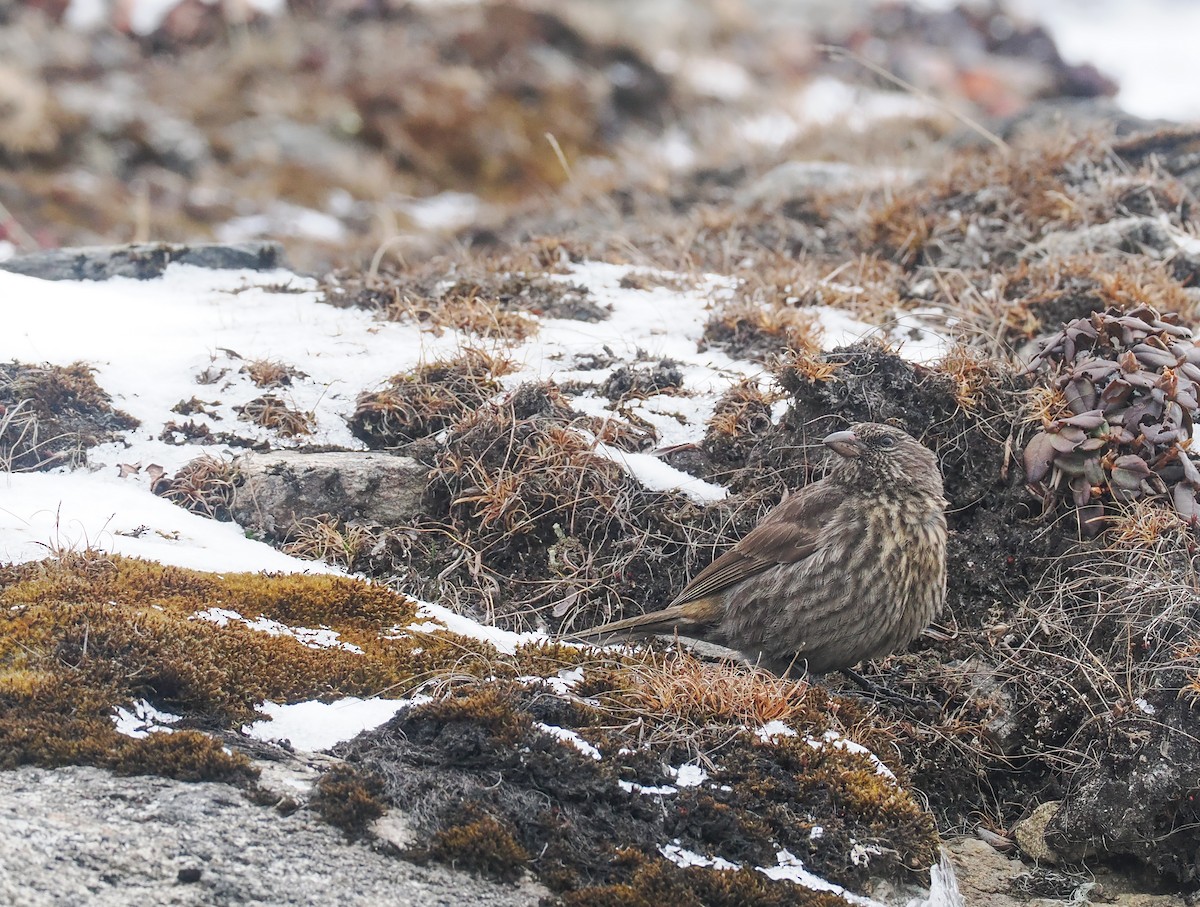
845 443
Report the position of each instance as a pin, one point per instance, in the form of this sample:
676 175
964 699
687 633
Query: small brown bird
848 568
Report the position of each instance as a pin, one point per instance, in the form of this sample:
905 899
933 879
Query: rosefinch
848 568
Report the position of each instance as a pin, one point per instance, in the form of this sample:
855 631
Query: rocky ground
1025 253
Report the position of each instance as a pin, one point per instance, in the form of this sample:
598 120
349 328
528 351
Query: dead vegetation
204 485
273 412
50 415
333 541
269 373
428 399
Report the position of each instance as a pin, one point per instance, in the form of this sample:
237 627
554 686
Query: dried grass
204 485
267 373
273 412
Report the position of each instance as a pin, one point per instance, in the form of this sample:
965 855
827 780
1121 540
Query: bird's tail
685 618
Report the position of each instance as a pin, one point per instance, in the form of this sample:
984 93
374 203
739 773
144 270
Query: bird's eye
886 441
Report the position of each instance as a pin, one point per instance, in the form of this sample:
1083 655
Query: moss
84 634
485 847
482 751
488 710
655 882
349 799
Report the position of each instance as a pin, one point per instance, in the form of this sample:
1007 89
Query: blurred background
356 130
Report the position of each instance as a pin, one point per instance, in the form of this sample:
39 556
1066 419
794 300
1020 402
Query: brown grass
273 412
466 311
429 398
204 485
267 373
332 541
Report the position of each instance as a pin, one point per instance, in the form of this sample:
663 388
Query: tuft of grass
328 539
427 399
51 414
204 485
269 373
750 330
273 412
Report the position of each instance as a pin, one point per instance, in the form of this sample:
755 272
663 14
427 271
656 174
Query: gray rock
281 489
1150 236
83 836
797 180
144 261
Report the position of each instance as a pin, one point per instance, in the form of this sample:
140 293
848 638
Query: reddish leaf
1038 455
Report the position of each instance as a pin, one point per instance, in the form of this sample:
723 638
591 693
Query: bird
848 568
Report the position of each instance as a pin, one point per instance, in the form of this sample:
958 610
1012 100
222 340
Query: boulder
281 489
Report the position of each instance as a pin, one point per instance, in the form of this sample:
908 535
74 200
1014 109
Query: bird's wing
787 534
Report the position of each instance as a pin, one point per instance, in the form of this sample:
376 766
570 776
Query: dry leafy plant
267 373
1131 384
204 485
273 412
428 398
332 541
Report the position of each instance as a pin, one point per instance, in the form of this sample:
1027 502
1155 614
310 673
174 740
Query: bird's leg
877 693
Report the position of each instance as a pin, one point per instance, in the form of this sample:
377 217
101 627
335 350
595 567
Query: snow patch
143 720
569 736
313 726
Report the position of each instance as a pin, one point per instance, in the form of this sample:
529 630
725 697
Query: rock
83 836
1150 236
281 489
798 180
144 261
1141 807
1030 833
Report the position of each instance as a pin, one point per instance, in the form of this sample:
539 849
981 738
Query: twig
843 53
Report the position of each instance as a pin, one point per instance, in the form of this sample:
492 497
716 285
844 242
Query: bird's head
874 457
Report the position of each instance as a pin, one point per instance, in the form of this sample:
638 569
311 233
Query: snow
143 720
149 340
837 741
685 858
631 787
789 867
322 638
440 619
446 211
314 726
44 513
571 737
690 775
659 476
773 730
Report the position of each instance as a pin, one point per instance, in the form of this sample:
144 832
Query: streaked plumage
848 568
